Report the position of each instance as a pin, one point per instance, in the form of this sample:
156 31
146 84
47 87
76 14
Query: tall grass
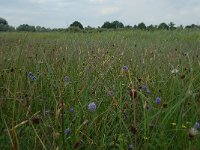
72 70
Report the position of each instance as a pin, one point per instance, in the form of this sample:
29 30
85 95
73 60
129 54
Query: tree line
77 26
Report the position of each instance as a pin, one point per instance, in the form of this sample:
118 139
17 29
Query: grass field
50 84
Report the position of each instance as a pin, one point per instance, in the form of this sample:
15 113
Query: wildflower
148 91
71 110
125 68
183 126
196 126
157 100
31 76
145 138
194 130
67 131
85 122
174 71
66 80
143 87
92 106
173 124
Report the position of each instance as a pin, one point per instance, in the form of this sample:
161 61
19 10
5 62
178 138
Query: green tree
76 24
112 25
107 25
163 26
141 26
150 27
3 21
4 27
192 26
116 24
171 26
26 27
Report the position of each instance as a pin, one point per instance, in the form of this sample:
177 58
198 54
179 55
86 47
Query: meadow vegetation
106 90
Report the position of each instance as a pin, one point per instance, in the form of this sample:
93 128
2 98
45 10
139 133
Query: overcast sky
61 13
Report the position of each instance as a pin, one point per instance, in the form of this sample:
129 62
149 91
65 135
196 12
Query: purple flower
157 100
125 68
67 131
71 110
148 91
143 87
92 106
31 76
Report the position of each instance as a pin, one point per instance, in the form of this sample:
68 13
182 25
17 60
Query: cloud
109 10
60 13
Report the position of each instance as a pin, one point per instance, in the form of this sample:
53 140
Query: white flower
174 71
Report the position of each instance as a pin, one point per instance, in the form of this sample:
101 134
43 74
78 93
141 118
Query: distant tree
116 24
74 29
180 27
26 27
128 27
40 29
3 21
141 26
107 25
112 25
4 27
150 27
192 26
171 26
163 26
76 24
135 27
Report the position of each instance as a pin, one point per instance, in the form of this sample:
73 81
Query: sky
61 13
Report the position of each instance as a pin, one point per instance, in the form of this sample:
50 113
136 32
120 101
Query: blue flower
67 131
157 100
148 91
143 87
71 110
31 76
92 106
125 68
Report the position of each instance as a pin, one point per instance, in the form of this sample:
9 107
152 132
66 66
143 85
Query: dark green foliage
192 26
163 26
3 21
112 25
26 27
150 27
171 26
42 29
74 29
4 26
141 26
76 24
